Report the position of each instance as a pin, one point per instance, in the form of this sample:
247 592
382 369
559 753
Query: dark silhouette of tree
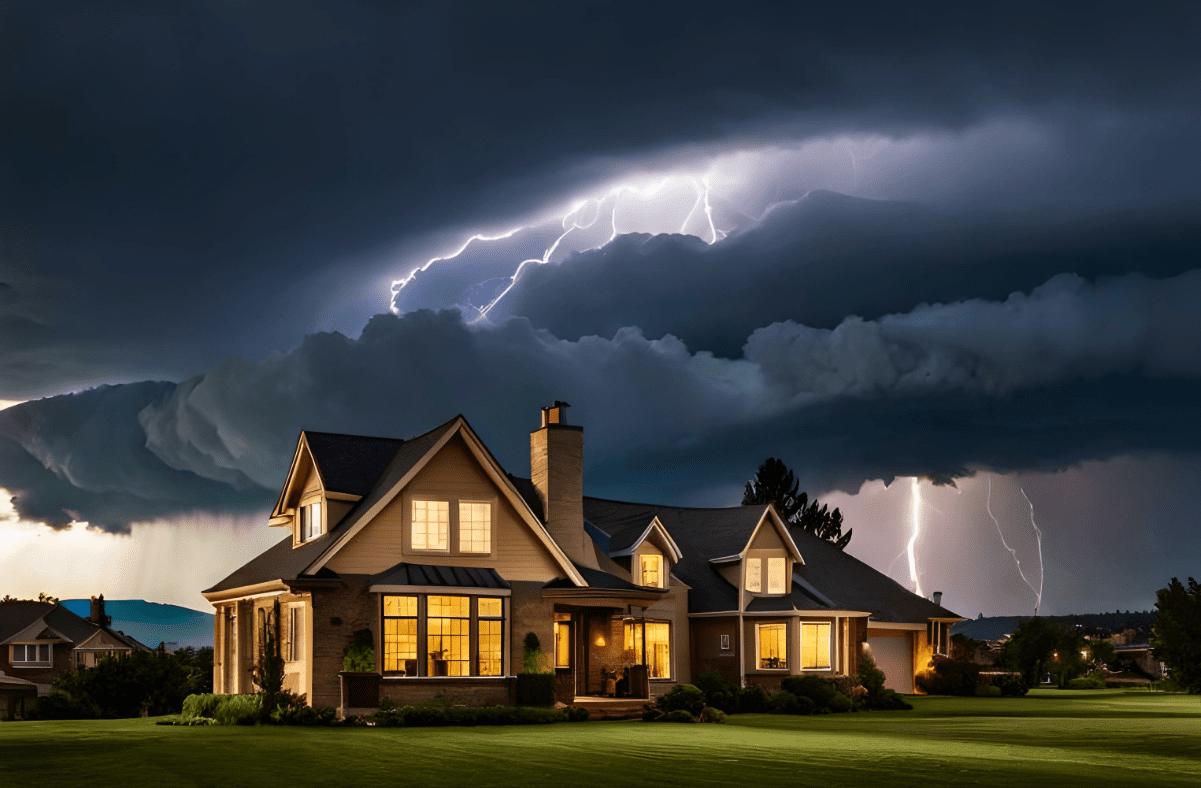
1041 646
1177 637
774 483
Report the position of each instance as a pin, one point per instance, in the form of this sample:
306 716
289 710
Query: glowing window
773 646
562 644
400 635
658 646
652 570
431 525
448 636
310 521
775 576
815 646
491 631
295 651
754 575
475 527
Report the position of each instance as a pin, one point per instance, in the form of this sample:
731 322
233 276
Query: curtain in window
815 646
773 645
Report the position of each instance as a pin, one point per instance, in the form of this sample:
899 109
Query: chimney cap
555 414
938 597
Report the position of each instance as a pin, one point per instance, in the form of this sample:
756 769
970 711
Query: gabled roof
351 463
18 616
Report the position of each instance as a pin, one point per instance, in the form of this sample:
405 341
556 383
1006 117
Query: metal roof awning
414 578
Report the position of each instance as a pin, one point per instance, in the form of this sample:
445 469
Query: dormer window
310 521
754 575
652 571
777 575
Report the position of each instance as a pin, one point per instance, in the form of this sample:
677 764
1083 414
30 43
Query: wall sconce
600 640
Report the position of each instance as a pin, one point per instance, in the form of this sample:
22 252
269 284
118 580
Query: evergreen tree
1177 638
774 483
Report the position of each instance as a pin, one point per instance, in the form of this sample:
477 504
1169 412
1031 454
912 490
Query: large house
40 640
448 562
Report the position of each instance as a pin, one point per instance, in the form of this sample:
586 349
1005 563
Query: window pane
490 647
658 649
431 524
651 568
491 607
754 575
815 645
400 606
562 644
775 576
315 518
400 635
475 527
773 645
448 636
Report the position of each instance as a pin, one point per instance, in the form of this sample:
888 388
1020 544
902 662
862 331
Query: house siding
706 651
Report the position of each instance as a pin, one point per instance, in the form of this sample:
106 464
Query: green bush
201 705
784 702
433 715
682 696
987 691
577 714
61 706
710 714
840 703
535 689
815 689
651 714
1013 686
238 710
359 654
712 683
304 715
679 715
752 700
871 678
1086 683
890 700
949 677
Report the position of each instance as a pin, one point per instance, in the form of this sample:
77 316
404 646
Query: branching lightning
1038 592
917 529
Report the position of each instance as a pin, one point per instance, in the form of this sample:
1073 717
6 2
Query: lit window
775 576
754 575
652 568
562 644
400 635
815 646
475 527
448 636
658 646
773 646
431 525
310 521
295 634
490 636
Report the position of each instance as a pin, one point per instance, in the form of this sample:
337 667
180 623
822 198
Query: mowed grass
1108 737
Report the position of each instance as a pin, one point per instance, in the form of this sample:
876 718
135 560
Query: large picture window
652 571
448 636
431 525
475 527
400 635
658 646
815 646
31 653
491 636
773 646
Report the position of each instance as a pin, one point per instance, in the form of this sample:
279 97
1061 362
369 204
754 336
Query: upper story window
475 527
651 571
431 525
754 575
775 575
310 521
30 654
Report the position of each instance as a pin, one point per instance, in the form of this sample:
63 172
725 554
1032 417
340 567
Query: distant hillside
997 626
153 623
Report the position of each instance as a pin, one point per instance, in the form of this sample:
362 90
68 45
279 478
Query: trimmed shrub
535 689
987 691
679 715
1086 683
840 703
815 689
710 714
752 699
239 710
871 678
890 700
577 714
304 715
783 702
684 697
949 677
712 683
1014 686
201 705
389 718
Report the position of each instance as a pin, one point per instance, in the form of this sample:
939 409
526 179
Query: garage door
894 656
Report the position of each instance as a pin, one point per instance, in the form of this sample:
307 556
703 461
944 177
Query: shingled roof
351 463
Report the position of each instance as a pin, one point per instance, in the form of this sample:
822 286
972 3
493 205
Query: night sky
953 243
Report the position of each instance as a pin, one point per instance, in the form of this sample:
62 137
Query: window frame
454 531
631 627
309 522
416 619
657 559
296 646
781 561
829 666
38 662
422 634
412 529
757 574
457 525
759 627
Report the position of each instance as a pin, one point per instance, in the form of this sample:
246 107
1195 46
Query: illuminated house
448 562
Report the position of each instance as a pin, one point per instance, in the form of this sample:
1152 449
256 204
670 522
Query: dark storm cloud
827 256
1068 372
191 171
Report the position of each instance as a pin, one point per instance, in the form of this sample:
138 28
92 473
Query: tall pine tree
774 483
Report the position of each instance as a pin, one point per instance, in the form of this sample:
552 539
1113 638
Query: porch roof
428 575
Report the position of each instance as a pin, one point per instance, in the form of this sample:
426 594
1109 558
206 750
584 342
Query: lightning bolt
576 219
1039 535
1038 593
917 529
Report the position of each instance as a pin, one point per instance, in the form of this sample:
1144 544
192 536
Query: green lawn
1047 738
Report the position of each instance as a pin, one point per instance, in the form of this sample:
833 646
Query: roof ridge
674 506
355 435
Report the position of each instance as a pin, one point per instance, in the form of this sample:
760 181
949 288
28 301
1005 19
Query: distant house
448 561
40 640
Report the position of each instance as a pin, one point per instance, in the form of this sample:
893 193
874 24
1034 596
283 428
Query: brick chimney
557 471
97 615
